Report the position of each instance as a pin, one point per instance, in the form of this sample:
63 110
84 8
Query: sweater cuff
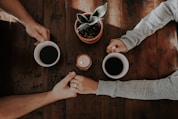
106 88
127 43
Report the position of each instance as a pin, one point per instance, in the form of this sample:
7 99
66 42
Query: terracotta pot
89 40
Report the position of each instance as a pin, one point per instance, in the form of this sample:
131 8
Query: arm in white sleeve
158 18
166 88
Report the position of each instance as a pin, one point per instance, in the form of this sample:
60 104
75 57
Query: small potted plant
89 26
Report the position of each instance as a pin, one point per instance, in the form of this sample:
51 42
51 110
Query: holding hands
83 85
62 90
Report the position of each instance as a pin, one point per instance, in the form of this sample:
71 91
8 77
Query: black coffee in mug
48 54
114 66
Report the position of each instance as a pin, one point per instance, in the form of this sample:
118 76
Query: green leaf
93 20
100 11
82 18
83 26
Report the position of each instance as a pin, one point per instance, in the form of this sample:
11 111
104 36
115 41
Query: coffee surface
48 55
114 66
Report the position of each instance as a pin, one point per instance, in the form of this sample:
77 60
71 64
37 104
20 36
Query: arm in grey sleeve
166 88
158 18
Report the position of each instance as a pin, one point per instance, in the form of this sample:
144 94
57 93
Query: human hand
83 85
116 45
62 90
37 31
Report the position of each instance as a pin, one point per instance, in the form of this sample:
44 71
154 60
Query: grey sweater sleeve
158 18
166 88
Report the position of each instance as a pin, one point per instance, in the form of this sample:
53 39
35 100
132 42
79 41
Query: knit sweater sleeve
165 88
155 20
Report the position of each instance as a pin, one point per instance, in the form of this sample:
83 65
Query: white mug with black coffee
115 65
47 53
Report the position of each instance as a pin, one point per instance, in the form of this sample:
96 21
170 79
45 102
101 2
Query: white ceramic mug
55 54
116 62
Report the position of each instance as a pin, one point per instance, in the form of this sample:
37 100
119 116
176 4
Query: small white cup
121 60
40 47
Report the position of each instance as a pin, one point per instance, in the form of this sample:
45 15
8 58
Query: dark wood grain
154 58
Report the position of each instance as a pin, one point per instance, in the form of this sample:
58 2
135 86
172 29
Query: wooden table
156 57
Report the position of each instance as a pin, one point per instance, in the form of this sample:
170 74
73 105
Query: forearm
158 18
15 8
165 88
16 106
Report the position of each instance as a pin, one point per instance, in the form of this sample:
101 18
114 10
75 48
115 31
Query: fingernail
113 49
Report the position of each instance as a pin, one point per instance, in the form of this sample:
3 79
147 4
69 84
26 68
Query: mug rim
41 46
124 61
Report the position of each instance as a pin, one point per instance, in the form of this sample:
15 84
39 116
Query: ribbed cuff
127 43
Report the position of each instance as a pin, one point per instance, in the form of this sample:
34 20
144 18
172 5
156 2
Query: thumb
69 77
